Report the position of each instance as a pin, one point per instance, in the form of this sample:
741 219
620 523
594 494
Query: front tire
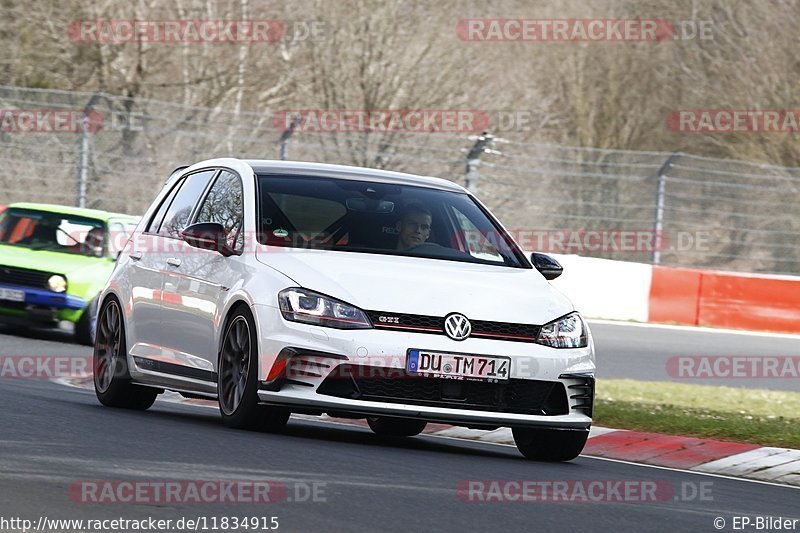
539 444
237 385
112 381
395 427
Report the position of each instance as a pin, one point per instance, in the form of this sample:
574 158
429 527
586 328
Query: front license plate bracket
458 366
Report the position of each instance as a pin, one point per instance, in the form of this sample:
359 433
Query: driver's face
414 230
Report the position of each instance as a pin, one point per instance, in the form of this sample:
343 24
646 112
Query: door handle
135 256
174 261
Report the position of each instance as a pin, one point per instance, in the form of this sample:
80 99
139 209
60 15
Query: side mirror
207 236
549 267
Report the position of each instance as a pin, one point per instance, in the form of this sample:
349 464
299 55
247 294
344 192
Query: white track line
643 465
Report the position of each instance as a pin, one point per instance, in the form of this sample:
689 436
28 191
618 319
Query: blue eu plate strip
413 360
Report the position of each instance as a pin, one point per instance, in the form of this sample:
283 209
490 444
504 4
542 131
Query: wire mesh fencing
114 153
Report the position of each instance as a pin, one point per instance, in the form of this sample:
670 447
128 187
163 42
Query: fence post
83 161
482 144
286 135
83 154
659 223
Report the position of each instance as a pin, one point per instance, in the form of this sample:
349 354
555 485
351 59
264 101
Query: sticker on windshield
280 232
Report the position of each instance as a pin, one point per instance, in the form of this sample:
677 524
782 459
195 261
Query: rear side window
177 217
224 205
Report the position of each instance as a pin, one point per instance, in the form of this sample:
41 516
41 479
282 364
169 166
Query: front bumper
42 305
322 350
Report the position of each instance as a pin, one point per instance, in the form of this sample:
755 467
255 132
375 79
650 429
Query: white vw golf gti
278 287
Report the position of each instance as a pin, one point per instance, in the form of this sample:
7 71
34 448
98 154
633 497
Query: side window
180 209
224 205
155 222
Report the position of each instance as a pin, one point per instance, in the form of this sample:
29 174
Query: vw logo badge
457 326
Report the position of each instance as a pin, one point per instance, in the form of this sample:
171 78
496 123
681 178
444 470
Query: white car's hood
422 286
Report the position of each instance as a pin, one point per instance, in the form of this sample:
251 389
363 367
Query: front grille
24 277
519 396
507 331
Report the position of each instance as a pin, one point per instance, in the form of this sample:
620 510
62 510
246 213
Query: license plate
12 295
458 366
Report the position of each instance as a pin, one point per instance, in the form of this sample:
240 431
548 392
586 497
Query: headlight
300 305
57 283
566 332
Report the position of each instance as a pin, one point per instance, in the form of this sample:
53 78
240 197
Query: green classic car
54 260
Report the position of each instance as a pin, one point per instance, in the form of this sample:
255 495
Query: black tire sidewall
246 414
118 389
121 392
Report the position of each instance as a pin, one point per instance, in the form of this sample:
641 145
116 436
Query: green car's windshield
55 232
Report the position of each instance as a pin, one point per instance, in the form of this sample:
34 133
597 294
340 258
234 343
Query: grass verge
767 418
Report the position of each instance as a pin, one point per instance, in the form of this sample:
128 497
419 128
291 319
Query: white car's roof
266 166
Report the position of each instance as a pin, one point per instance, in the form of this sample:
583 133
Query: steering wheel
425 246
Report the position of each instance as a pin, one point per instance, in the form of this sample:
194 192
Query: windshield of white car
385 218
54 232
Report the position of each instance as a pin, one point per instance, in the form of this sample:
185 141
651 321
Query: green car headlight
57 283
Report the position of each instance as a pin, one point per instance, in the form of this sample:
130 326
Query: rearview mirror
208 236
549 267
369 205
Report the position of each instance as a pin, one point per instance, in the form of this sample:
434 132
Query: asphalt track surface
55 437
643 351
